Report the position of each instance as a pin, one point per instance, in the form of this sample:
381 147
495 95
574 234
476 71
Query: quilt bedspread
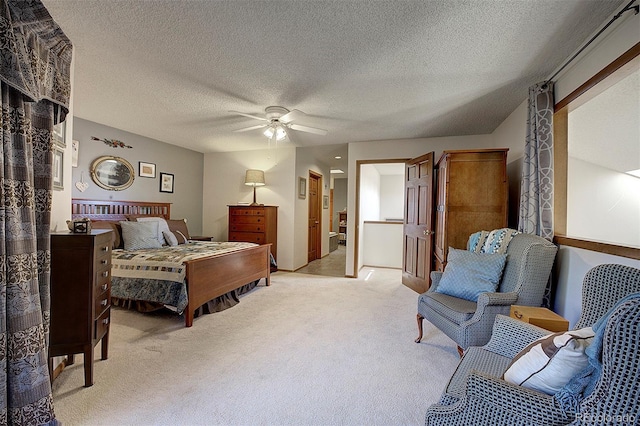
158 275
167 263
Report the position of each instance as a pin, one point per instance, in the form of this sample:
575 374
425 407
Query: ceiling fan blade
294 114
308 129
246 129
249 115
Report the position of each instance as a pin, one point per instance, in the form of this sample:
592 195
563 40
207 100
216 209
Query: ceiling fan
278 120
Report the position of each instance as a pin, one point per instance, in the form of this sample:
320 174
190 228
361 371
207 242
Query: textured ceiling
363 70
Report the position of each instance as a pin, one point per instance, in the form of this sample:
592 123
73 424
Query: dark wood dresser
80 296
254 224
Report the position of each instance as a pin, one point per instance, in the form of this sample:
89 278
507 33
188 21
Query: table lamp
254 178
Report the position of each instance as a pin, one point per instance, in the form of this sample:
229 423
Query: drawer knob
103 261
104 286
105 274
517 314
105 248
104 302
105 321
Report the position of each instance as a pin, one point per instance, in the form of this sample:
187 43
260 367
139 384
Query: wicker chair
476 395
526 273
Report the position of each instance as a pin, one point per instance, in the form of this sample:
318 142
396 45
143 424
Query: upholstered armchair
477 395
525 276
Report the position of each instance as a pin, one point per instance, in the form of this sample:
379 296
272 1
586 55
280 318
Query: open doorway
379 214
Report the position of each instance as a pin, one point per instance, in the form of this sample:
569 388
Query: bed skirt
218 304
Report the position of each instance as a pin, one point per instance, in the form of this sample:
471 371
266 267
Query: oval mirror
112 173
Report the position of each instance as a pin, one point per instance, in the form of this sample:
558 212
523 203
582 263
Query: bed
205 278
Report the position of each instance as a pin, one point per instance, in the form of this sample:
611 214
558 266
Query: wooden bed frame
207 277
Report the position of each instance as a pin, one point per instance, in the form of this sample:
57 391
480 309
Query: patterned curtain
536 192
34 74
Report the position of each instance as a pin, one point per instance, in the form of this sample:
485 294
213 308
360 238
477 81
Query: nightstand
200 238
541 317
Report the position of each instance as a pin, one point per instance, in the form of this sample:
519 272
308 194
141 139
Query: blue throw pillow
468 274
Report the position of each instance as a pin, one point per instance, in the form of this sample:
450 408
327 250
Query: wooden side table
541 317
200 238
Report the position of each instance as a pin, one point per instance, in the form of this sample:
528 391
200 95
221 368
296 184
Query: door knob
427 232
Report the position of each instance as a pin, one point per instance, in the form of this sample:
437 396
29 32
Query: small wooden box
541 317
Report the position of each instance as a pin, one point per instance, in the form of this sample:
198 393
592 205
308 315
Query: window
597 131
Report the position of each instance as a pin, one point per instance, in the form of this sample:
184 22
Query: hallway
332 265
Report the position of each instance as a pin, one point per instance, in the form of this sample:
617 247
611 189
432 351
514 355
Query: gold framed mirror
112 173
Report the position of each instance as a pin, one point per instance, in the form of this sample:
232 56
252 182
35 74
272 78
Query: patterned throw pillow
468 274
139 235
495 241
548 364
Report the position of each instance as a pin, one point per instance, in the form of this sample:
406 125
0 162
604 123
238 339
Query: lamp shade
254 178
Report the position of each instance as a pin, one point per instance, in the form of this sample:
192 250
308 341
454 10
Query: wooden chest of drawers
254 224
80 296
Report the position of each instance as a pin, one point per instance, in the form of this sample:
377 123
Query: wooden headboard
117 210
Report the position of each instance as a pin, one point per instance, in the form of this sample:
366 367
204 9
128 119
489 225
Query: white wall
391 197
382 244
224 185
397 149
603 204
369 193
61 200
571 263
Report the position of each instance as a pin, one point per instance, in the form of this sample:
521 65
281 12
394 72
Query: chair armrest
486 299
489 400
510 336
435 280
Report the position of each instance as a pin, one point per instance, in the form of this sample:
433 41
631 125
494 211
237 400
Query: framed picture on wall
146 169
302 188
58 134
166 182
58 169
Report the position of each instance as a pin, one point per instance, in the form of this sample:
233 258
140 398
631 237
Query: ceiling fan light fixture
279 132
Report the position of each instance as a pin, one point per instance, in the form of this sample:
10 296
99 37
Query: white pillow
548 364
162 226
170 238
139 235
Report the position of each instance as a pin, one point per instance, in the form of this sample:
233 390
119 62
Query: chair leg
419 318
460 351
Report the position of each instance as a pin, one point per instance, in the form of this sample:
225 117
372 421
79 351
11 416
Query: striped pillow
140 235
548 364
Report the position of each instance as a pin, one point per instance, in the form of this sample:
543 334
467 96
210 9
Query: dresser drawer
247 219
102 302
101 325
246 212
248 237
247 227
102 280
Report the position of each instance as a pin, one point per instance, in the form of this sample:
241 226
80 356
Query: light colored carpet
309 350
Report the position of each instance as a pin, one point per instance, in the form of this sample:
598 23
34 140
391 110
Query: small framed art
166 182
58 134
325 201
58 169
302 188
147 170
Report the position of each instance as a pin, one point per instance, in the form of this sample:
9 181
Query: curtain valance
35 55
